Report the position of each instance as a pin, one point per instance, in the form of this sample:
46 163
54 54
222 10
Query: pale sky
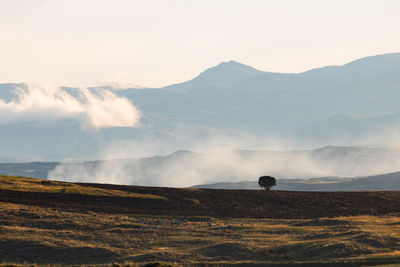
154 43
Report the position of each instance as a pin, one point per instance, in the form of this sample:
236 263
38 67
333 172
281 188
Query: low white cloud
94 108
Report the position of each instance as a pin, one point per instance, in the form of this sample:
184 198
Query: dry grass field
58 235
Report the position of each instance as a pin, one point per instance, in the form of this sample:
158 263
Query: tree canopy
267 182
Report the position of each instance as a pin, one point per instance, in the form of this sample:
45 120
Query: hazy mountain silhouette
390 181
185 168
378 63
228 168
233 99
262 102
222 75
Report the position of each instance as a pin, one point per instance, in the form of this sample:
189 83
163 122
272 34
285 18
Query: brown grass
30 234
57 234
25 184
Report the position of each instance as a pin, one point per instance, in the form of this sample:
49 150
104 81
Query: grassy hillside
49 222
195 202
30 234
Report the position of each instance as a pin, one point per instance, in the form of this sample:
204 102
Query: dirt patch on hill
378 241
10 250
326 222
159 256
313 251
232 251
300 251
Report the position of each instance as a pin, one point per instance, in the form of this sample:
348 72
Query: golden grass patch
35 185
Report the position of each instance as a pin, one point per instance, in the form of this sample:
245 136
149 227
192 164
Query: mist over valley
230 123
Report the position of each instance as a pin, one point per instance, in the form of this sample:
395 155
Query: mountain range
350 105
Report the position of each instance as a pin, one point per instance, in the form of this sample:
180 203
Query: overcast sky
155 43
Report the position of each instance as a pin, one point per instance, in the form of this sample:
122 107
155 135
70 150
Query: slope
119 199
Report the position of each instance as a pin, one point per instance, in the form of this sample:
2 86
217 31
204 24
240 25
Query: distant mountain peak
225 73
232 62
234 65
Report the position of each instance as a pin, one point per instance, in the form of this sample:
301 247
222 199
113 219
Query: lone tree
267 182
